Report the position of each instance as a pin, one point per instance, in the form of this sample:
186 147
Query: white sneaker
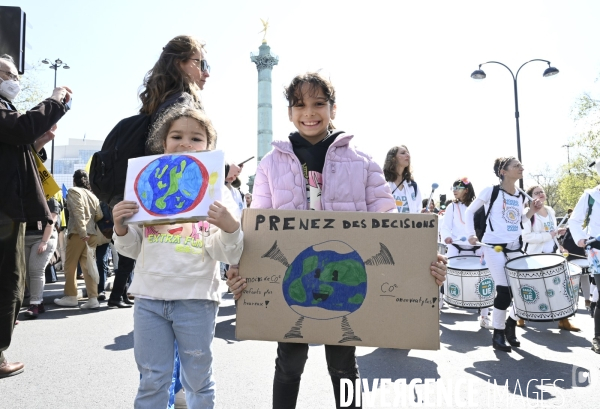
484 322
67 301
180 402
92 303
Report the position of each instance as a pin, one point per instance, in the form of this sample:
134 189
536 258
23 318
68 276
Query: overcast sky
401 70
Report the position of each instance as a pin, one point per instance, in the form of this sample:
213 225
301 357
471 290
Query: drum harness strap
505 250
461 248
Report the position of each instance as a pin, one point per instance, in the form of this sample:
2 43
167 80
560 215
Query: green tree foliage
577 177
574 180
33 89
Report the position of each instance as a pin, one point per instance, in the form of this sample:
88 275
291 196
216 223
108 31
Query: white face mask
9 89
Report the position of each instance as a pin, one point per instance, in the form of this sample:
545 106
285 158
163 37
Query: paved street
77 359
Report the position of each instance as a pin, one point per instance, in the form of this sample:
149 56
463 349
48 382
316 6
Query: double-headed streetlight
548 72
57 64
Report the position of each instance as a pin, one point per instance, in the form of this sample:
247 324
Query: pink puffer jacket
351 180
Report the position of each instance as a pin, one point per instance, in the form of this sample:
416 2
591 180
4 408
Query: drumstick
433 187
567 254
526 195
497 249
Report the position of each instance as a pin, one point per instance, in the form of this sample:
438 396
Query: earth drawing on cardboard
171 184
326 281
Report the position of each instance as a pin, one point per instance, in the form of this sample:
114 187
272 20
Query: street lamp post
568 156
479 75
57 64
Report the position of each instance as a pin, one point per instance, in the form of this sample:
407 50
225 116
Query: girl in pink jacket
316 169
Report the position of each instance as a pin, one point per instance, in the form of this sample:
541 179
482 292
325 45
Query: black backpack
106 224
108 169
481 216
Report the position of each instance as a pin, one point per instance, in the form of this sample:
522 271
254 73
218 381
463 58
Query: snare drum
582 263
544 286
468 283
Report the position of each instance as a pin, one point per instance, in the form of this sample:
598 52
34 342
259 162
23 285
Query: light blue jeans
157 324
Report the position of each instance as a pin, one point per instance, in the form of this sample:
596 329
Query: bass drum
545 287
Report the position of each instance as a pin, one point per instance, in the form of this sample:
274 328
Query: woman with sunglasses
454 228
539 236
176 78
505 212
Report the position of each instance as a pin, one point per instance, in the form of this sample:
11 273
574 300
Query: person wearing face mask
22 199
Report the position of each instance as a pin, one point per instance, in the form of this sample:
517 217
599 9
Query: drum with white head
545 287
469 284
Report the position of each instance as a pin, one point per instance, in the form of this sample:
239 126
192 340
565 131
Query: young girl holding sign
175 284
317 168
504 206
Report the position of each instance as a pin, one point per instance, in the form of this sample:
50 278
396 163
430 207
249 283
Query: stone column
265 61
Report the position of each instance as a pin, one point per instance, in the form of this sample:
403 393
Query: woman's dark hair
160 129
532 188
167 78
470 195
389 166
316 82
81 179
502 164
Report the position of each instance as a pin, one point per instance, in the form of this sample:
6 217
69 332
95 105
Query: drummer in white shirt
587 213
540 237
454 228
503 228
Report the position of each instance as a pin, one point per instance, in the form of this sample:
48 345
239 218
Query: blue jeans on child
157 324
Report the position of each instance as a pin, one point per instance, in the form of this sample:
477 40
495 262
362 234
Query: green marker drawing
174 177
161 185
160 175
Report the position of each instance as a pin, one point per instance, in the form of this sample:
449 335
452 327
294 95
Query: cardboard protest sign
174 187
339 278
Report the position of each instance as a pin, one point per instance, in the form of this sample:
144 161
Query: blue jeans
175 382
157 324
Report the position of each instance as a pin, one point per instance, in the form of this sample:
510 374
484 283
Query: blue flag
64 191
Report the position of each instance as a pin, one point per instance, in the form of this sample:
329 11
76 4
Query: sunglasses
455 188
203 64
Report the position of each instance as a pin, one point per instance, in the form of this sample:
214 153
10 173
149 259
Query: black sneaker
101 297
117 304
32 312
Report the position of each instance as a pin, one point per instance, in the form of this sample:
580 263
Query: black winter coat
22 197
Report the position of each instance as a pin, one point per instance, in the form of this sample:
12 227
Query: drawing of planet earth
171 184
326 281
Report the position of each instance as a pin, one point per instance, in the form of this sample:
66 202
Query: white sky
401 70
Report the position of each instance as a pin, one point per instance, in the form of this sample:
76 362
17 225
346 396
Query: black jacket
22 197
